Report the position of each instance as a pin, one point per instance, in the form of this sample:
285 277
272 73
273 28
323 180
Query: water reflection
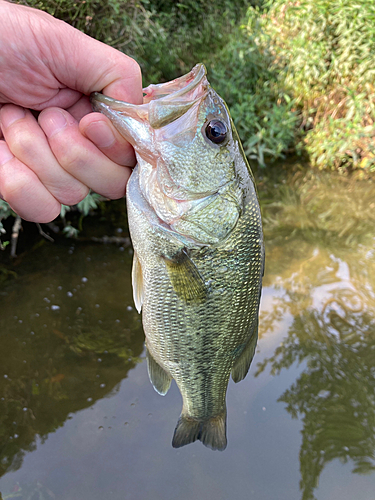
67 340
328 287
69 336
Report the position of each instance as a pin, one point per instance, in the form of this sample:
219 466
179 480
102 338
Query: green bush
264 113
296 75
326 49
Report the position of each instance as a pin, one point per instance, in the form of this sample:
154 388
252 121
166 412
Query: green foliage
70 231
326 50
295 75
262 109
5 212
185 33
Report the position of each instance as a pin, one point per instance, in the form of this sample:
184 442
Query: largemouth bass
195 224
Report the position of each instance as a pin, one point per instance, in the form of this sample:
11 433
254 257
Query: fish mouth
162 103
188 87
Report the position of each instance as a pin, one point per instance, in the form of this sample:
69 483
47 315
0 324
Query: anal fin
185 278
159 378
242 365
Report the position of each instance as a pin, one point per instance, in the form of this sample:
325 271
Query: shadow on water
69 336
67 339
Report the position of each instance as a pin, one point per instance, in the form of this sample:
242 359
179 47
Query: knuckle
45 214
73 195
134 68
133 71
71 157
21 143
14 186
114 192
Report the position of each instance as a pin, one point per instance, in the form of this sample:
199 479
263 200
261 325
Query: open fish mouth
188 87
162 103
186 175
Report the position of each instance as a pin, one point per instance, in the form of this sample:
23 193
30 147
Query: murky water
80 420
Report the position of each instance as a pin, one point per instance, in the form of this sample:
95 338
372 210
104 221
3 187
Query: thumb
87 65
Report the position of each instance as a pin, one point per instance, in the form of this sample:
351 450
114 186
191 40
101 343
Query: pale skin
48 66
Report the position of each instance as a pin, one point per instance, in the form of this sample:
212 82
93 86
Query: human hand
49 66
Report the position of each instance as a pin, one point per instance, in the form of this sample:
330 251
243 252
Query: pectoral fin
159 378
137 282
185 278
242 365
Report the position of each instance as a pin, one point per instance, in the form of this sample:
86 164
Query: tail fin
214 432
187 431
211 432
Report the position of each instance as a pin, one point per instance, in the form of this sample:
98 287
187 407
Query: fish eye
216 131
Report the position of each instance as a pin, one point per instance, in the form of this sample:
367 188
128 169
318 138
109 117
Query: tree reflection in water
332 301
321 264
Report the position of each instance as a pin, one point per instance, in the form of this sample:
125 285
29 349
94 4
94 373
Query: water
80 420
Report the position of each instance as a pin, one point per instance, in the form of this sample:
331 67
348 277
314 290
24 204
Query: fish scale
215 328
197 271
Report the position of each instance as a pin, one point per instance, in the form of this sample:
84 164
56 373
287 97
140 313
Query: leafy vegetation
297 75
262 109
325 50
5 212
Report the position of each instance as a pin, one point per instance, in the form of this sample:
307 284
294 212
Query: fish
196 229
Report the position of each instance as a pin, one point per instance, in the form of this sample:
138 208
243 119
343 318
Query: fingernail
52 122
100 134
11 114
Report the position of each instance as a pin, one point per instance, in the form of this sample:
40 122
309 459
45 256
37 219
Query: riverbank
297 76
